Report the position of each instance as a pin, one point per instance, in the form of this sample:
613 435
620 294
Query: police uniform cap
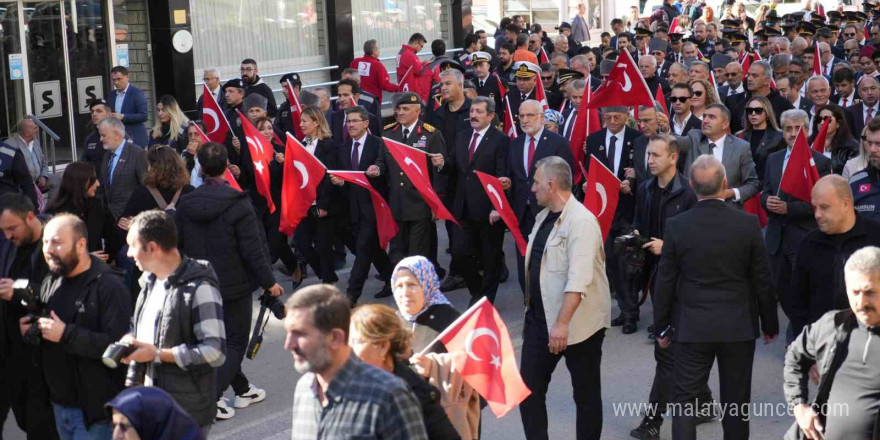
732 22
833 15
675 37
564 25
861 15
738 38
525 69
293 78
238 83
643 33
97 101
449 64
807 29
480 57
564 75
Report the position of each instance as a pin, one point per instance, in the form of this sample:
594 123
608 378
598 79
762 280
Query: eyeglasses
209 79
353 121
698 93
681 99
755 110
849 35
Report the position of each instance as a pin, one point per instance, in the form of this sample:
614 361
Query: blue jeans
71 425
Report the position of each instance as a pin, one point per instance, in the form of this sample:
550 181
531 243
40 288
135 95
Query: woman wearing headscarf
150 413
416 290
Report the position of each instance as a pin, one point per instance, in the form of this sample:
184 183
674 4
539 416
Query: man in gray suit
734 153
26 141
122 169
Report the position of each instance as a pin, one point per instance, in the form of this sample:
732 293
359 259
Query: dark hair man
254 84
218 224
348 94
412 75
93 149
177 328
129 105
838 347
317 325
88 309
685 301
758 84
21 378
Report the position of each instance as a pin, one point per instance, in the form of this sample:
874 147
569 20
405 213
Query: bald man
816 285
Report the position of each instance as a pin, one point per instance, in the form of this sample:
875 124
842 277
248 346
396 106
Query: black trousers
24 390
526 223
279 247
477 245
693 363
312 239
661 388
781 268
364 243
583 361
237 320
413 238
621 283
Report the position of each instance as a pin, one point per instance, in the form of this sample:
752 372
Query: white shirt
718 152
678 128
216 93
732 91
482 133
120 96
410 129
849 99
146 328
528 140
873 112
618 148
826 69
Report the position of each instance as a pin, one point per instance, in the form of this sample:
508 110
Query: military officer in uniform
487 85
283 122
526 74
413 215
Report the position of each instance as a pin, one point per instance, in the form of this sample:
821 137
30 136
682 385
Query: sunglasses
681 99
546 78
754 110
698 93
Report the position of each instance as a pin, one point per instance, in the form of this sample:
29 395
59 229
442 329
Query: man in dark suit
575 96
122 169
712 294
845 93
682 120
486 84
412 214
360 154
758 84
733 72
525 151
346 91
367 100
129 105
859 114
478 246
649 125
211 78
789 218
613 146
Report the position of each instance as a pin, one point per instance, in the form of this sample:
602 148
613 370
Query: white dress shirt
849 99
528 139
678 128
718 152
618 148
409 129
732 91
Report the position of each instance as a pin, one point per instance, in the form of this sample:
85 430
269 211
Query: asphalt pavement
627 372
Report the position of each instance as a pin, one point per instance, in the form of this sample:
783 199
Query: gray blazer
737 161
128 175
37 163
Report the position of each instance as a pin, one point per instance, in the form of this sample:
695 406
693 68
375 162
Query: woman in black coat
840 145
170 127
761 132
76 196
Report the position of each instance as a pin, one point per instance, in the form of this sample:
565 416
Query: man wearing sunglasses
682 119
733 73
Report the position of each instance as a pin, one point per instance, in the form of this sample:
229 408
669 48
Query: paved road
627 372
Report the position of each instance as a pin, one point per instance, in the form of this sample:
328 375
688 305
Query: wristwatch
158 359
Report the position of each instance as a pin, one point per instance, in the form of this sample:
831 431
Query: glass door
67 63
12 85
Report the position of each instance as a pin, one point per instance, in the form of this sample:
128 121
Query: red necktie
868 112
473 147
844 102
531 153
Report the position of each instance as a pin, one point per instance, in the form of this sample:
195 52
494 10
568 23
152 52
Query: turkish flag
509 123
586 123
496 195
214 119
303 172
295 110
540 95
481 350
385 223
601 194
660 98
624 86
800 173
674 25
228 174
819 142
261 154
817 61
414 163
746 62
501 89
543 58
753 206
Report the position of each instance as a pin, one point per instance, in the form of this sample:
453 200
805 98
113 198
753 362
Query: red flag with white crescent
501 89
228 174
261 154
214 119
542 57
800 173
385 224
303 172
625 86
496 195
509 123
295 110
481 350
414 164
540 95
819 141
602 194
661 99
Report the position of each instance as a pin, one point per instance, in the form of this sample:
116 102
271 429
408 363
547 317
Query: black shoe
629 326
706 413
452 282
617 322
384 293
649 429
353 297
441 273
505 274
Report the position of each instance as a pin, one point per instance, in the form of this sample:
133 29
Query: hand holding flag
414 164
385 223
214 119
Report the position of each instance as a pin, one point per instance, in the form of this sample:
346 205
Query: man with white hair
648 67
836 350
211 78
818 92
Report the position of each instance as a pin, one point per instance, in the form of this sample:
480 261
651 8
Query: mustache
866 309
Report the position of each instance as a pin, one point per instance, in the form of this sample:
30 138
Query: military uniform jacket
405 201
492 90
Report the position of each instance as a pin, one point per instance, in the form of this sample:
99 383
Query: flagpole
454 324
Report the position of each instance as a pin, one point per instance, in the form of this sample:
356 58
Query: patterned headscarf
427 276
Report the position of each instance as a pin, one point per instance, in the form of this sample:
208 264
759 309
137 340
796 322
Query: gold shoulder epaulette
429 127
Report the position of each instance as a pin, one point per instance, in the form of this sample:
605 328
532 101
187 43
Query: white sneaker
253 395
224 412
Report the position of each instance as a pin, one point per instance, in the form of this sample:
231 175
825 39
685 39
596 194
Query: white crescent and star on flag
476 333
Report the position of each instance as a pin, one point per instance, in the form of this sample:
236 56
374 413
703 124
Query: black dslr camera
273 305
633 257
631 244
22 291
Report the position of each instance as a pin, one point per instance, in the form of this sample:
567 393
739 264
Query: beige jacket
573 261
460 401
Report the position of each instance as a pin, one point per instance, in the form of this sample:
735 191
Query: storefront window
281 35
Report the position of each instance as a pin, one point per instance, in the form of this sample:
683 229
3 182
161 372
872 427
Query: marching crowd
151 247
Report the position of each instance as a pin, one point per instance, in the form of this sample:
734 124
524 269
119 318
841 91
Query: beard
62 265
313 362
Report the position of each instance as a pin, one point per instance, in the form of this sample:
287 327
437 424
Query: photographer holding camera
86 309
22 268
177 333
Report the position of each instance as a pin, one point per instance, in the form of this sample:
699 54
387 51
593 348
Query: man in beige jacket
568 304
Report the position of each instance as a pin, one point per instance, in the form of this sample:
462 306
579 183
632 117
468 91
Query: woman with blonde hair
170 126
704 96
377 336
